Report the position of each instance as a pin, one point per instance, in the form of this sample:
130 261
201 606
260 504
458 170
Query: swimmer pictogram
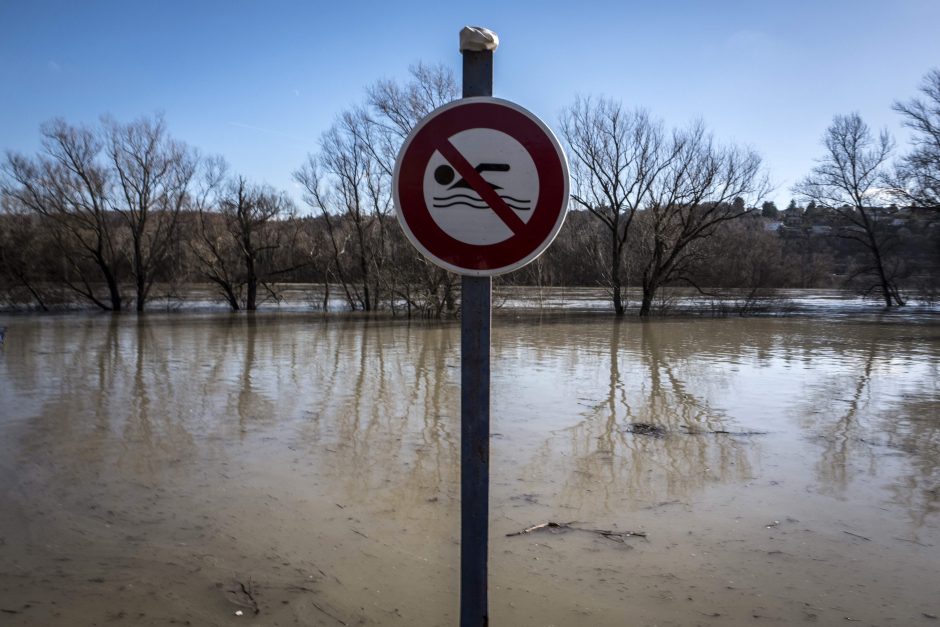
444 175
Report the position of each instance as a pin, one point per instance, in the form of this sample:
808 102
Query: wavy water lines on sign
475 202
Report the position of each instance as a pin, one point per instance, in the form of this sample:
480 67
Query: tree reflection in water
866 417
611 465
382 403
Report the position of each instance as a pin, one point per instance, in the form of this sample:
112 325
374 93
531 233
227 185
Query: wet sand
179 469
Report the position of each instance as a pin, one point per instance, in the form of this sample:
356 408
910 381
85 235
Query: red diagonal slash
480 186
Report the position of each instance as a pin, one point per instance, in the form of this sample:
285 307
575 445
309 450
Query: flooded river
189 468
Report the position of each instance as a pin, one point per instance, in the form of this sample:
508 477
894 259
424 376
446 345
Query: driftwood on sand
556 527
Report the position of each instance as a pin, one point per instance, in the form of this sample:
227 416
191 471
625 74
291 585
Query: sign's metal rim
484 268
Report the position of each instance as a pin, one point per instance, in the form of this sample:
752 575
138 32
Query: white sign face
459 210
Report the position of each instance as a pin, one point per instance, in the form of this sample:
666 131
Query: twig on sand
856 535
315 604
544 525
337 619
556 527
913 542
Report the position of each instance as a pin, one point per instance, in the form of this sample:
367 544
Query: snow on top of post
477 39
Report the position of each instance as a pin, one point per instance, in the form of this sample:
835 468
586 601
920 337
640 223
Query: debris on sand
659 431
556 527
644 428
240 594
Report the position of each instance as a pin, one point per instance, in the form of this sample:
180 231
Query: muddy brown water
180 469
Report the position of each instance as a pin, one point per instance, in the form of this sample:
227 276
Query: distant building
793 217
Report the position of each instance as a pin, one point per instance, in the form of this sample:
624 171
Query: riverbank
299 298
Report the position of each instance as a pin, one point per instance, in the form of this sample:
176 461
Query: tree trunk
114 291
251 299
618 300
139 274
231 297
886 287
646 306
615 281
21 277
887 290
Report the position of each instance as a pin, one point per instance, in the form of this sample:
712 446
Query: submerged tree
700 186
111 197
392 110
849 178
617 157
152 174
69 187
349 183
673 189
27 255
241 228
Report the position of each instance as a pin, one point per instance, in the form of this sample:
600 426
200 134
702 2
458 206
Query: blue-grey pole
475 403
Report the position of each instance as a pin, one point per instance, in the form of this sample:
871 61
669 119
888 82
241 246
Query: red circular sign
481 186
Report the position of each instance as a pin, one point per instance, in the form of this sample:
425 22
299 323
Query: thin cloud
267 131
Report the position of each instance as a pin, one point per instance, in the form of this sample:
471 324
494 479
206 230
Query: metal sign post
480 188
475 321
474 448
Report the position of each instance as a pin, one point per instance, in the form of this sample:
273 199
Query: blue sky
258 82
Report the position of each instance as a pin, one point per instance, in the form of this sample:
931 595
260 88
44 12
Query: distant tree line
117 213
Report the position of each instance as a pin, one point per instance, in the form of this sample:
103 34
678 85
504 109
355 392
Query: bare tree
392 110
919 171
315 195
849 178
152 175
256 216
69 187
699 186
211 241
240 228
349 183
617 157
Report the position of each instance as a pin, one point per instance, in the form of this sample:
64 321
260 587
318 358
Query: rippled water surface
186 467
